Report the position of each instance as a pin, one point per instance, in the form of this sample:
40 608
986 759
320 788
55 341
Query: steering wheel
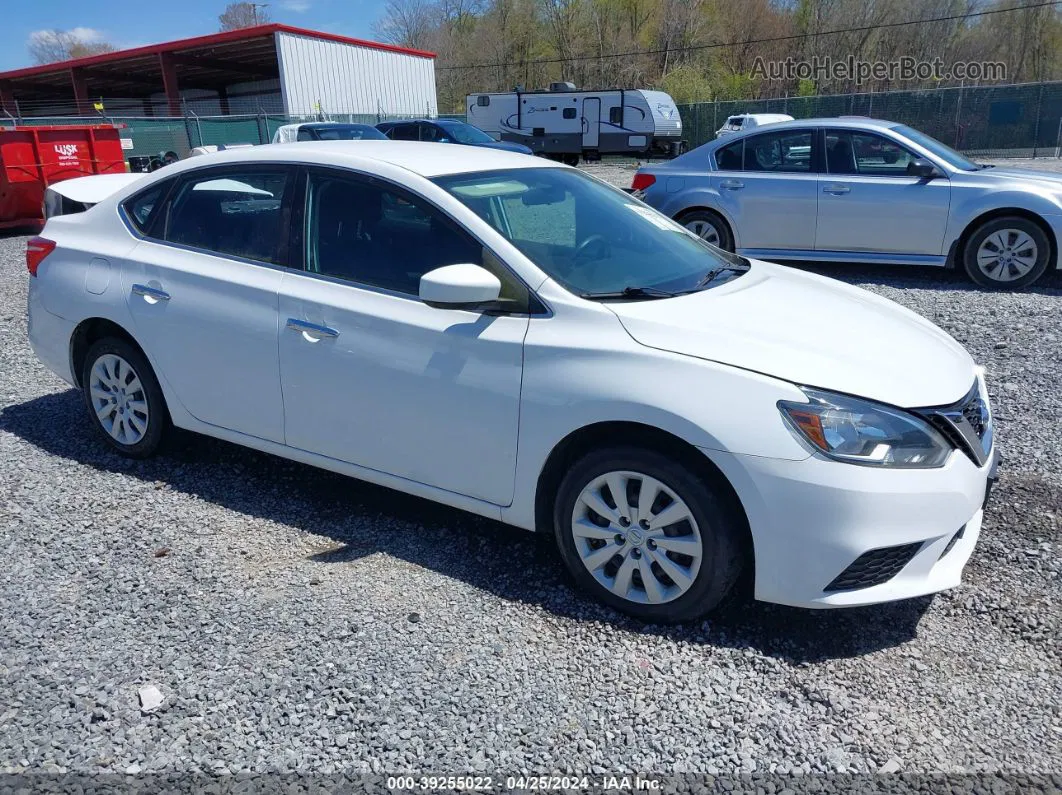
594 247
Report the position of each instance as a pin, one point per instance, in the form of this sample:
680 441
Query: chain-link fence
989 121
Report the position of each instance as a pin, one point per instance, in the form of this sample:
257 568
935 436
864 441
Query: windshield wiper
712 275
631 292
987 165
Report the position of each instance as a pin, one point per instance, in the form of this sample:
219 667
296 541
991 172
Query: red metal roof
205 41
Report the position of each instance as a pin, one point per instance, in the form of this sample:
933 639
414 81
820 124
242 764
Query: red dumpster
32 158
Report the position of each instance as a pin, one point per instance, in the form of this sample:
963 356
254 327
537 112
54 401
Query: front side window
865 154
429 132
233 212
304 135
593 239
788 151
370 234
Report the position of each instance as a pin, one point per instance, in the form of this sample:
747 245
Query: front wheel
123 397
644 535
1007 252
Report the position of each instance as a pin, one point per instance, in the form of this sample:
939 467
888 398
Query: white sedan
517 339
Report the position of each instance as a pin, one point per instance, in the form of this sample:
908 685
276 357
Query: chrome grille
966 424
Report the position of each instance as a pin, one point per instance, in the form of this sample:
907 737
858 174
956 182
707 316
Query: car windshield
466 133
943 151
595 240
355 132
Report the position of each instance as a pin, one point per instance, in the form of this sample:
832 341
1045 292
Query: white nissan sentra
517 339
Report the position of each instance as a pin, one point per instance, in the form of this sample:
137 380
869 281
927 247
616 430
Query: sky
125 24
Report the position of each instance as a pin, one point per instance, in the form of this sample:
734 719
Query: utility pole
254 10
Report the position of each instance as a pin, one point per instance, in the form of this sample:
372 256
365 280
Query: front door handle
836 190
311 329
151 294
732 184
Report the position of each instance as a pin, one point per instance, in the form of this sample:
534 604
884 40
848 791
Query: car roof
426 159
331 125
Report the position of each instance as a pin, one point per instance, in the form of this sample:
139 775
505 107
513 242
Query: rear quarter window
143 208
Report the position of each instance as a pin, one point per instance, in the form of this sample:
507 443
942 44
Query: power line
791 37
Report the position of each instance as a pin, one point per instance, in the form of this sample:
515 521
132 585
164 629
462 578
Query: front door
766 184
591 122
373 376
203 296
867 202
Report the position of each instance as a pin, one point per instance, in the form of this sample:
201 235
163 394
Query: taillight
36 250
642 181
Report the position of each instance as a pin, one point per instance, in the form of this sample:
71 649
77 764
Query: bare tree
243 15
49 46
409 23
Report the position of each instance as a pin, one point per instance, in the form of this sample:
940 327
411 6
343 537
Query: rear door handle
732 184
151 293
836 190
311 329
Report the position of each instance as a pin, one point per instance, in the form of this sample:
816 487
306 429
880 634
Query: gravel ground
294 619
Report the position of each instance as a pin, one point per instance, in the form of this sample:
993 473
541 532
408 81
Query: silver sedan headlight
863 432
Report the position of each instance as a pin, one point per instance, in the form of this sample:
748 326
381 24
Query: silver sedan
862 190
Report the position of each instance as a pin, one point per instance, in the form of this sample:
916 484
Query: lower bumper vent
874 567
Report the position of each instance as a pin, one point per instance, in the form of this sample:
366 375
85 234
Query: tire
708 226
571 160
584 536
1024 248
138 420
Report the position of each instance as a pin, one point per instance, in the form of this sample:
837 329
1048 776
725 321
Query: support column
7 98
223 100
169 82
81 97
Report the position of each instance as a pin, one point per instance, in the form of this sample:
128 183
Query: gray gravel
294 619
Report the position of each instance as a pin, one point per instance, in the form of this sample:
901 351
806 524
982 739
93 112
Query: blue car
445 131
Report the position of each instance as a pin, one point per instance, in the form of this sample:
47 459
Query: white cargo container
564 122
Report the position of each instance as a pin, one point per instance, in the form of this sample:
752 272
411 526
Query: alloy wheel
119 399
637 537
1007 255
705 230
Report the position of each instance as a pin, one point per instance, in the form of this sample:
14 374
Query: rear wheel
646 536
709 227
123 397
1007 252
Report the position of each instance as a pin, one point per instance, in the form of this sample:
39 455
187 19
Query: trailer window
568 113
482 101
615 115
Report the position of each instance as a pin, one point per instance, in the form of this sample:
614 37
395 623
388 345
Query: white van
746 121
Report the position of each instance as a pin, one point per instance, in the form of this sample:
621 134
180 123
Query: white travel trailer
565 123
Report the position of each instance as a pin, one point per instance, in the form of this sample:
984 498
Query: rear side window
788 151
236 213
729 157
404 132
142 209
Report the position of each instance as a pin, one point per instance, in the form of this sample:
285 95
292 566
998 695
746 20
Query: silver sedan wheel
705 230
118 399
1007 255
637 537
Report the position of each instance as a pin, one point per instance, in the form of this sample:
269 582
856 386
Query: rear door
867 201
767 186
202 289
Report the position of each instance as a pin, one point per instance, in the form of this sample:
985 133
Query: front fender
965 209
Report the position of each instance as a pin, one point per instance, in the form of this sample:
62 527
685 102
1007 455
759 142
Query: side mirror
923 169
459 287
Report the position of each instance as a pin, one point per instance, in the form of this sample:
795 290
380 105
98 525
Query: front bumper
813 519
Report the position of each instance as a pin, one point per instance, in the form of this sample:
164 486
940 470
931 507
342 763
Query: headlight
863 432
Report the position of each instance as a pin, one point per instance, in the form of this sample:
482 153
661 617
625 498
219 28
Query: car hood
809 330
507 146
1052 182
